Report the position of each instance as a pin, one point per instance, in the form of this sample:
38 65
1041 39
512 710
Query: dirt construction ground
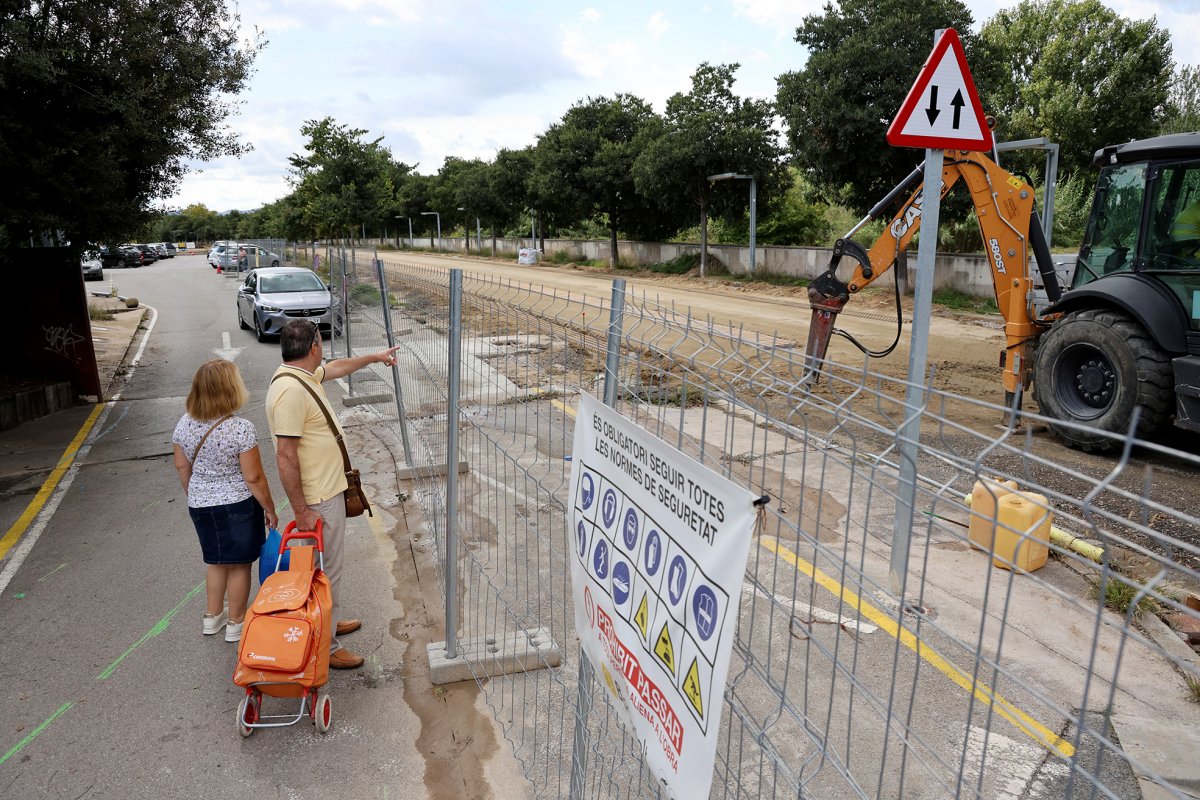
964 354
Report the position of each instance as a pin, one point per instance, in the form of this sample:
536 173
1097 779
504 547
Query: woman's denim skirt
230 534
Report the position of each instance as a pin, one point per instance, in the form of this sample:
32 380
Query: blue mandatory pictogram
630 530
653 558
621 582
587 490
704 608
581 536
677 579
600 559
609 509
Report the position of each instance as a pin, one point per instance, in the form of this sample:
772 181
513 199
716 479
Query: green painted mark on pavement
18 595
51 572
17 748
151 505
158 628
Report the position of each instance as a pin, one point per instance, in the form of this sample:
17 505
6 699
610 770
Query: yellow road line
39 500
1023 722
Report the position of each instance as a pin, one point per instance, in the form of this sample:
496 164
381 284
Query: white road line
35 530
812 612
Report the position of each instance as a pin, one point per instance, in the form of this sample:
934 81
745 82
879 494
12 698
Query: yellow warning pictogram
665 650
691 688
608 679
642 617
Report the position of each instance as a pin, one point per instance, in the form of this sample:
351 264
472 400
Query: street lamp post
410 239
726 176
439 226
478 235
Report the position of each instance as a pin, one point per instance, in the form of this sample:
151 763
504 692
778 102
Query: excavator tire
1093 367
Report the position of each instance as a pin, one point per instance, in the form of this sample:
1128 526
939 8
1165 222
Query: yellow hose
1065 540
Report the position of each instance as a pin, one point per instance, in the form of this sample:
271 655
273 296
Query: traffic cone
218 269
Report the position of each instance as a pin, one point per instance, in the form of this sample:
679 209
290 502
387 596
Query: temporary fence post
391 342
454 369
583 691
909 434
346 317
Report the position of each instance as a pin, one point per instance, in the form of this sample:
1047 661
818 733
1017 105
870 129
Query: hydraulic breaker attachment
828 296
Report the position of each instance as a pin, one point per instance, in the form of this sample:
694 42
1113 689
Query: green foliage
1183 101
103 104
341 181
99 313
1079 74
798 219
680 265
364 294
961 301
709 131
1072 204
584 166
1119 594
863 56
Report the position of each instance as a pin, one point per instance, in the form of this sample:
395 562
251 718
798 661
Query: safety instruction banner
658 552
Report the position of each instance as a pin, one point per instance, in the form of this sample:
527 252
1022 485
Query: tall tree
1077 73
342 181
101 105
863 56
1183 101
709 130
586 160
509 182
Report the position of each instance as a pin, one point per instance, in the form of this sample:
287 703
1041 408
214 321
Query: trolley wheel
247 716
324 713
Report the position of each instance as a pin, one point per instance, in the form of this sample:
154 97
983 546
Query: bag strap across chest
204 438
337 435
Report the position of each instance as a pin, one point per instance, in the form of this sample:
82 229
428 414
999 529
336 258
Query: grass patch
1119 596
100 313
961 301
773 279
680 265
365 294
1193 685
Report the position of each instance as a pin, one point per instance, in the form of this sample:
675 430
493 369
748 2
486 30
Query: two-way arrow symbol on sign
932 112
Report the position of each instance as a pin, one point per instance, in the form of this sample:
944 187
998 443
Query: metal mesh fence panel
969 679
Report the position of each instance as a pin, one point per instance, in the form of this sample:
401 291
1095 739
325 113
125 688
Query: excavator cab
1127 333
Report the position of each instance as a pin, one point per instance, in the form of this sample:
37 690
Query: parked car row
241 257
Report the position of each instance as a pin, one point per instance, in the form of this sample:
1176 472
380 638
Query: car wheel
262 337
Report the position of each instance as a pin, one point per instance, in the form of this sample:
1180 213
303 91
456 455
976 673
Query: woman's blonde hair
217 390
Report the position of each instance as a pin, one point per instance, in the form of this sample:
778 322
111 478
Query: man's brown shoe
344 659
348 626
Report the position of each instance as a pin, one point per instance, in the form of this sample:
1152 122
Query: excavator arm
1009 227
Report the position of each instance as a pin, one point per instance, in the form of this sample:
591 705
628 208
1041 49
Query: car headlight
270 309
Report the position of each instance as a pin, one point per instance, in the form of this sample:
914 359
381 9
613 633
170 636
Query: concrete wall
965 272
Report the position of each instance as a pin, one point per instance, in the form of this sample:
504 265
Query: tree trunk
612 244
703 240
493 240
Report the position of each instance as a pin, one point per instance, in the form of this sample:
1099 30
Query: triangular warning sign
665 650
691 688
942 109
642 617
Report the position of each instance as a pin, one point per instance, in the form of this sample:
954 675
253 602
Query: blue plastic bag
270 552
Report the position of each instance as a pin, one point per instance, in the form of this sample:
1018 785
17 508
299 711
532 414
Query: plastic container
982 528
1022 540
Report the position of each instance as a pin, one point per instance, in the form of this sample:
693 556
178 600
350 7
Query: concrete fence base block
521 651
430 471
366 399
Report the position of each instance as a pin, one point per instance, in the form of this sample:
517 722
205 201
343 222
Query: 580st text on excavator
1123 336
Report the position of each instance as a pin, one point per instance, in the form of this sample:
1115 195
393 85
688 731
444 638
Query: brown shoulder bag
356 499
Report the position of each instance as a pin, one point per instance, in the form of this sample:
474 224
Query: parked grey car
93 270
271 296
255 258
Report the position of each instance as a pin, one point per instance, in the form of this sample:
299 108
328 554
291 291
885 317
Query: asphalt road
108 689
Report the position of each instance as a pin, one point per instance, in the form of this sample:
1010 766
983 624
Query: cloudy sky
468 77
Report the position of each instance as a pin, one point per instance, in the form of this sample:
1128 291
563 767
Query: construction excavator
1125 333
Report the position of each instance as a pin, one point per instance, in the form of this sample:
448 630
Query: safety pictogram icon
665 650
942 109
691 688
642 617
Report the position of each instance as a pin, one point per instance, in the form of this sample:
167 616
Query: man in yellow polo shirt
308 454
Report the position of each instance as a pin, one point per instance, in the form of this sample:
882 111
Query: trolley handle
290 532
